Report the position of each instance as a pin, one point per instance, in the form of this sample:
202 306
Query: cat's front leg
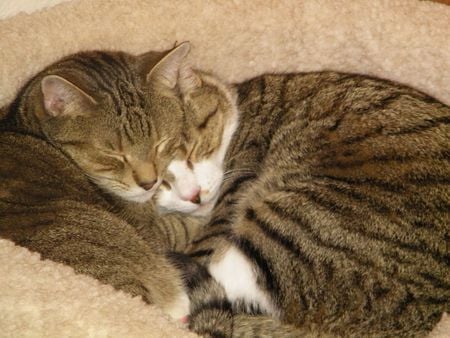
179 308
212 314
237 274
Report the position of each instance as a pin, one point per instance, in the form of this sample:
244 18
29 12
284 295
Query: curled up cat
83 148
329 200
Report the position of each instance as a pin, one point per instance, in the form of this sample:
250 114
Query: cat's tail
212 315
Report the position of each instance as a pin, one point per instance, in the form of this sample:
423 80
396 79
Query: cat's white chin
168 201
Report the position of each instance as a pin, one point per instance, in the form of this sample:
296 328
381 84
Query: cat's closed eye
160 146
203 124
118 156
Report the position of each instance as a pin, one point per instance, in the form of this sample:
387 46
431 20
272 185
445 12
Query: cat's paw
178 309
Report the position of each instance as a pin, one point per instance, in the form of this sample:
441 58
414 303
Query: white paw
178 309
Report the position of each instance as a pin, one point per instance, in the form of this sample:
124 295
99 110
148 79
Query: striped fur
79 135
339 201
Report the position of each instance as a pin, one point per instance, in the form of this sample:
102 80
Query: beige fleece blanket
403 40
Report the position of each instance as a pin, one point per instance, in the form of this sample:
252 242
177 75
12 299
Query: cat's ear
62 97
148 60
166 71
188 81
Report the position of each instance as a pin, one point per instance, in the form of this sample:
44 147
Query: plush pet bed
403 40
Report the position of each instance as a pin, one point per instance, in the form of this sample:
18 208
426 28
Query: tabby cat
333 215
78 168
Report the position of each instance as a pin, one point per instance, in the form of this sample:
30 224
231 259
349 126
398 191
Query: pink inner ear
62 97
54 105
56 95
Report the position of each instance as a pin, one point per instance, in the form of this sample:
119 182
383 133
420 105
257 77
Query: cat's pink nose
193 197
196 199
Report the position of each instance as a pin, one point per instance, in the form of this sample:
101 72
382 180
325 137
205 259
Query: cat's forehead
126 111
100 67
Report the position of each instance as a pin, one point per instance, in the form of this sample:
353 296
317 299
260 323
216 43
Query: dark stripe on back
366 181
288 244
218 221
201 253
327 204
235 186
349 253
403 304
211 235
423 126
382 159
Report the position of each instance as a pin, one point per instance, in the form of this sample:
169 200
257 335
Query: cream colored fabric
9 8
46 299
402 40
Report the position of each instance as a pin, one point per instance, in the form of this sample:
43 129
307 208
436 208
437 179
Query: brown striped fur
63 156
339 199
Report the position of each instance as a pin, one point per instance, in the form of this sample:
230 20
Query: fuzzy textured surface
46 299
403 40
9 8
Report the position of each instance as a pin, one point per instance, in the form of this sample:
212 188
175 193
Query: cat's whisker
237 170
233 175
240 169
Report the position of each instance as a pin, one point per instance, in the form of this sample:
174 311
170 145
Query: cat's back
346 131
341 110
323 90
352 173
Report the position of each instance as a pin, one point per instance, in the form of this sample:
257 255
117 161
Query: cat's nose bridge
144 172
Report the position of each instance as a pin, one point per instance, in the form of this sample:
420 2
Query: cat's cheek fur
237 276
209 175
